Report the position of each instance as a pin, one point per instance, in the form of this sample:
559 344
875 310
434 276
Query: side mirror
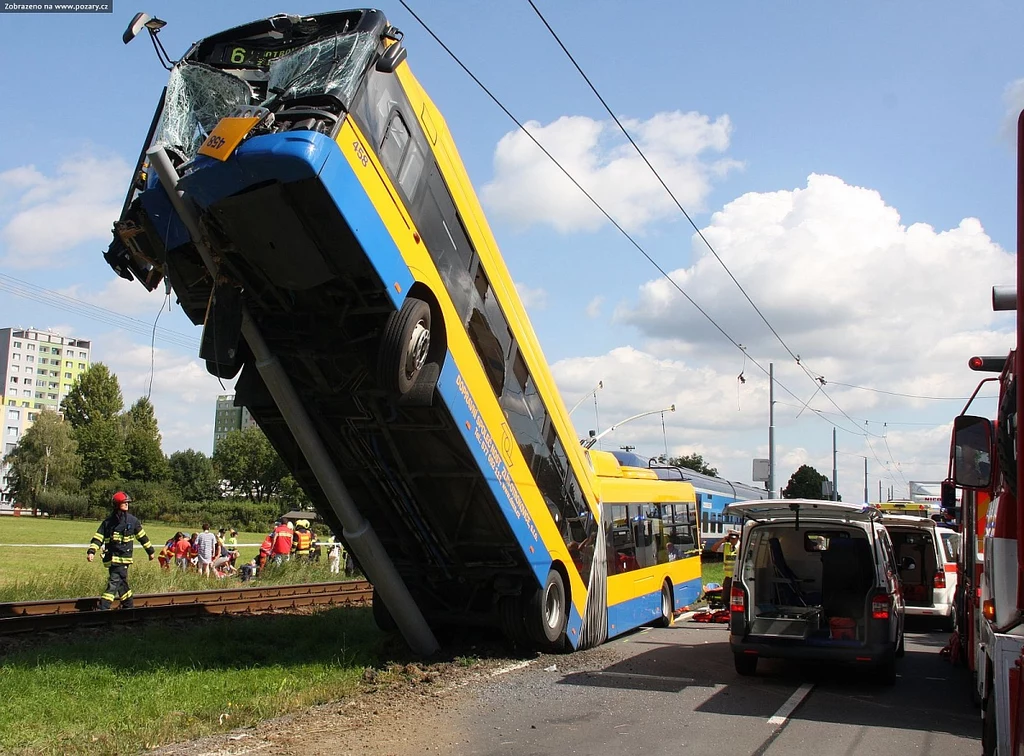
907 563
395 54
972 452
948 495
139 22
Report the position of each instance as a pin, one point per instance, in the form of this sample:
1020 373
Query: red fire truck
986 463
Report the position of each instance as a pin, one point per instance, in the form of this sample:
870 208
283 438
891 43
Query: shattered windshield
198 96
331 66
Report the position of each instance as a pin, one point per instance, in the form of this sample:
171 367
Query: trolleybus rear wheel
666 606
404 345
546 611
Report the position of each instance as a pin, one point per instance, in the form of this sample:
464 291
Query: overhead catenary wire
814 377
70 304
592 200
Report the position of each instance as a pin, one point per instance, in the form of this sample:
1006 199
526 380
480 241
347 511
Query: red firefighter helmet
120 498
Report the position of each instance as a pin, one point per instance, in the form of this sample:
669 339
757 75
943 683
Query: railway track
35 616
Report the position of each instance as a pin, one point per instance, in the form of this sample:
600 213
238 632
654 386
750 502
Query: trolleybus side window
646 522
678 521
621 547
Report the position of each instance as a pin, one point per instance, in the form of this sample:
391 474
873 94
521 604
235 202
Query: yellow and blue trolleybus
322 204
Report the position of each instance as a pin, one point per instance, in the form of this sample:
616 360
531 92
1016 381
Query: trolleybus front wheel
404 346
546 612
666 606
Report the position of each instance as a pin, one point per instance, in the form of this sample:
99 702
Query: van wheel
988 725
901 645
404 346
666 606
949 623
887 670
746 664
546 614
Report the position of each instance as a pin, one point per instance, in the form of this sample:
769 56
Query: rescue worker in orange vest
116 536
281 541
303 540
264 555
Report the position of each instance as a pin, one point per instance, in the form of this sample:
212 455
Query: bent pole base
360 536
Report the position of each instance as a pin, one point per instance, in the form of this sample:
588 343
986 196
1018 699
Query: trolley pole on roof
594 438
771 429
835 468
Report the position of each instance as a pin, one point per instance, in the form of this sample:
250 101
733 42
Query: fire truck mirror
972 449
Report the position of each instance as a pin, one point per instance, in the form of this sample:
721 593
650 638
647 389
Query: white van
928 588
815 580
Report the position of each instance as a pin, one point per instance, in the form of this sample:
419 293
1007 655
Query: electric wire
85 309
586 194
819 379
165 302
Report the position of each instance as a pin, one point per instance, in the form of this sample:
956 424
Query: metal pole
1018 359
865 480
835 472
589 443
360 536
771 429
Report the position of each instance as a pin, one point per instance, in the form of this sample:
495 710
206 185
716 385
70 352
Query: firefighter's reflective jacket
116 536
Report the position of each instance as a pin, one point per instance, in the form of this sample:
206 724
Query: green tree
292 496
691 462
92 407
805 483
193 475
144 459
45 459
249 464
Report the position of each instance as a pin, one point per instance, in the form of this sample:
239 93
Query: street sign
761 470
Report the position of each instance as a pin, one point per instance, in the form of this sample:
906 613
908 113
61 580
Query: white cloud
184 395
594 307
864 299
533 299
838 275
119 295
529 189
43 218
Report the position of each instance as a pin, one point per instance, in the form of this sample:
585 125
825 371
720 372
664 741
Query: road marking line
791 703
511 668
645 677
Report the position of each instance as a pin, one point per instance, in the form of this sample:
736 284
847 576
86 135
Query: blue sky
853 166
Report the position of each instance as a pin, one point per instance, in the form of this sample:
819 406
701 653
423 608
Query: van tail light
737 599
940 580
880 606
988 610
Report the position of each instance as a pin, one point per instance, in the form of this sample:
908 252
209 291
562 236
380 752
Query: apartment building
228 418
37 370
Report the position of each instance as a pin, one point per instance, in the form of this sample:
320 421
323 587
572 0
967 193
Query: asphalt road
674 690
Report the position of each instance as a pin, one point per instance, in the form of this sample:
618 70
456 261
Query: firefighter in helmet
116 536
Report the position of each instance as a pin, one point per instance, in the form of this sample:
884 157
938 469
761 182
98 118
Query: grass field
55 567
125 689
